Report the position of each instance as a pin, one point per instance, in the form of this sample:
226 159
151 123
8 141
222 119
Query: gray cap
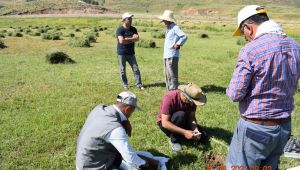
129 98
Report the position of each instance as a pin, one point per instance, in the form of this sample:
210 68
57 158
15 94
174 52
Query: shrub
203 36
3 31
17 34
79 42
71 34
35 34
77 30
91 36
2 45
159 35
52 36
241 41
27 31
146 43
57 57
10 33
2 35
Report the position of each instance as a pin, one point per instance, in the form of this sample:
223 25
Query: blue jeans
255 145
135 68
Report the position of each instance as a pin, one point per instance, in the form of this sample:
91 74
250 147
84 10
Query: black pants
180 119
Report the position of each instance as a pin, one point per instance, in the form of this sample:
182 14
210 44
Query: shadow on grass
176 160
214 88
162 84
181 159
219 133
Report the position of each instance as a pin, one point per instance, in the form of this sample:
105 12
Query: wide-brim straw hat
168 16
193 93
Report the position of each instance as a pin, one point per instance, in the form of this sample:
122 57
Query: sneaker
126 87
141 87
176 147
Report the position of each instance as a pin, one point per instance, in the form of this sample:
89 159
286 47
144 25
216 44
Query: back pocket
258 136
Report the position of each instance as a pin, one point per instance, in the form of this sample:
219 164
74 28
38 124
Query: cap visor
138 107
237 32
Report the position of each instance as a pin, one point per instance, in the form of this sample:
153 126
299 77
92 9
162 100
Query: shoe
176 147
140 87
126 87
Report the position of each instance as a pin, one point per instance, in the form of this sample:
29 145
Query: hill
285 9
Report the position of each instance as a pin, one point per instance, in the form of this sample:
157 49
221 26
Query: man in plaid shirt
264 82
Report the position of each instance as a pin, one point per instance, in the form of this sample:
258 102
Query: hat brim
237 32
130 16
166 19
200 102
138 107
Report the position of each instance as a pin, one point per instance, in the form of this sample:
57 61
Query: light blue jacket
173 36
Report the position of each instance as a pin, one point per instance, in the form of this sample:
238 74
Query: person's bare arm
128 40
166 123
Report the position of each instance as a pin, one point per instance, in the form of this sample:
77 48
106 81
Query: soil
214 161
200 11
77 11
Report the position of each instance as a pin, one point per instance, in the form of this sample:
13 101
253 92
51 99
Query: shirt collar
122 115
171 25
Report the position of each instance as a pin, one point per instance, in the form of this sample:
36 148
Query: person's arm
182 37
166 123
119 140
192 121
128 40
241 78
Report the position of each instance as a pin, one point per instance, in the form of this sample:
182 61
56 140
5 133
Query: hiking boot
176 147
140 87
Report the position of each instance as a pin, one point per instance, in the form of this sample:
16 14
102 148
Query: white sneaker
176 147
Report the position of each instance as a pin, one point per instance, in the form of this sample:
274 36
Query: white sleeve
119 139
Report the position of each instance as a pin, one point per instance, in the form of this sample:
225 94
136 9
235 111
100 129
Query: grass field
43 106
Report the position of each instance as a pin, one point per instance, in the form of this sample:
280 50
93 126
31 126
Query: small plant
57 57
52 36
91 36
203 36
10 33
35 34
17 34
77 30
3 31
71 35
79 42
2 45
146 44
2 35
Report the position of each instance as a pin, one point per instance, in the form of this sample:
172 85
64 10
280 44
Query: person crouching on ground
176 117
103 141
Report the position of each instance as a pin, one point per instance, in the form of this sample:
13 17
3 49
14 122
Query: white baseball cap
245 13
129 98
126 15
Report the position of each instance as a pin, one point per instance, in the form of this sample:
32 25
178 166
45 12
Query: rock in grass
146 43
58 57
2 45
79 42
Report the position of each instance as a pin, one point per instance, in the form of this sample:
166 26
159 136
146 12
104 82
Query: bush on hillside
146 44
35 34
91 36
17 34
57 57
2 45
203 36
79 42
2 35
52 36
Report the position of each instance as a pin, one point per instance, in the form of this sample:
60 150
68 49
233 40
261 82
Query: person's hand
188 134
127 126
197 134
176 46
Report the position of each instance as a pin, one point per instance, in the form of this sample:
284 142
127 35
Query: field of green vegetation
43 106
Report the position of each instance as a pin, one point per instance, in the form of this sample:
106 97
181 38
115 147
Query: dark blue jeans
132 62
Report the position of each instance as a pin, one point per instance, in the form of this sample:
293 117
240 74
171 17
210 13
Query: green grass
43 106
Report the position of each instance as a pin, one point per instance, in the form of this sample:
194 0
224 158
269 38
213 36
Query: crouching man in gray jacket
103 140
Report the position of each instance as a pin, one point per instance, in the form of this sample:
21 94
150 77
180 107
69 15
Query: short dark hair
256 19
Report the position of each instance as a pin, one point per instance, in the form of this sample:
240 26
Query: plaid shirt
266 76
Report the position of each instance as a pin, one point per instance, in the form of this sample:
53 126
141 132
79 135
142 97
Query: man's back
271 71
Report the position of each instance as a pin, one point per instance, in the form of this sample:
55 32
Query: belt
266 122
